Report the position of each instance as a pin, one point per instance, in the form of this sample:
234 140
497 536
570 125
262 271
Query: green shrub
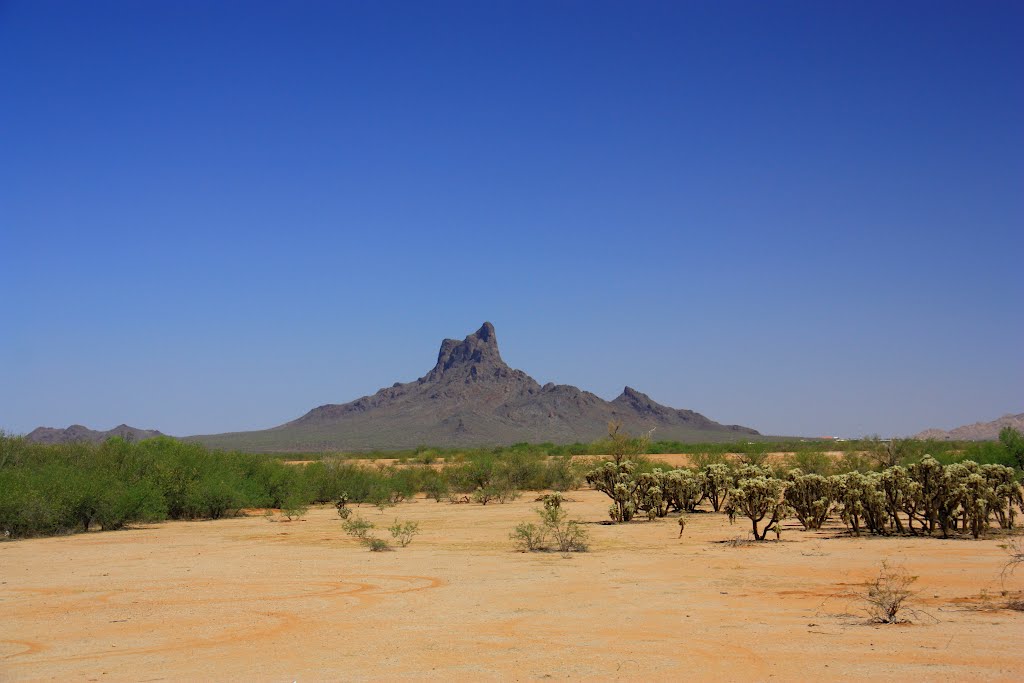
403 532
529 537
376 545
357 527
568 536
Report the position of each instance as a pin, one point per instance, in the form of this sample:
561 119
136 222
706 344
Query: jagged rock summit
471 397
51 435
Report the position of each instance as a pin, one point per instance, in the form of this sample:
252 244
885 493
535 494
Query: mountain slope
51 435
472 398
979 431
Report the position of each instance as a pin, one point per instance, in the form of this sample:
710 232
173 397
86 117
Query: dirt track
247 599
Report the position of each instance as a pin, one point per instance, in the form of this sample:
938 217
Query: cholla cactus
749 471
649 495
1006 493
862 503
684 489
552 500
811 497
902 495
975 498
929 476
717 482
617 482
757 498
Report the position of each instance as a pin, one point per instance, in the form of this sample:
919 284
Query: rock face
472 398
50 435
979 431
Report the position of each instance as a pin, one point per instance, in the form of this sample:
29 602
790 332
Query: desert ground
251 599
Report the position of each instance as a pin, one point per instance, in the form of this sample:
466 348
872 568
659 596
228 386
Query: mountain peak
486 334
478 349
472 398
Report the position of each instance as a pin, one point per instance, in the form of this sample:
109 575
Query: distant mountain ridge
979 431
471 397
51 435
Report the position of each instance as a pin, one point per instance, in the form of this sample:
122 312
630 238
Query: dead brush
739 542
1015 557
886 595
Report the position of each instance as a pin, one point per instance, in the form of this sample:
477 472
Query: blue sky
803 217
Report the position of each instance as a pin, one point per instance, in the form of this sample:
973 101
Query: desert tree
1012 442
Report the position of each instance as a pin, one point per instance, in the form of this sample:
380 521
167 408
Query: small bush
293 508
886 594
403 532
566 534
376 545
500 493
357 527
529 537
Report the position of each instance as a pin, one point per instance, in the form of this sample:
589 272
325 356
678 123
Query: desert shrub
1012 442
500 493
122 504
703 460
755 455
1014 557
854 462
558 474
555 531
403 532
886 595
293 507
435 485
810 462
357 527
376 545
568 535
529 537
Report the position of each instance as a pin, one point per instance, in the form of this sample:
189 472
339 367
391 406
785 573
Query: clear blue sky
805 217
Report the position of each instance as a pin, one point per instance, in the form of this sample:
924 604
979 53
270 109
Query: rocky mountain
471 397
51 435
979 431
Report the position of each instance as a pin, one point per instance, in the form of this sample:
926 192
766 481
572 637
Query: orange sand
247 599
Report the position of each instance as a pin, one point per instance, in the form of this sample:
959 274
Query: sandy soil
247 599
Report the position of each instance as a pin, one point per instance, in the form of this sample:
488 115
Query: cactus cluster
922 498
